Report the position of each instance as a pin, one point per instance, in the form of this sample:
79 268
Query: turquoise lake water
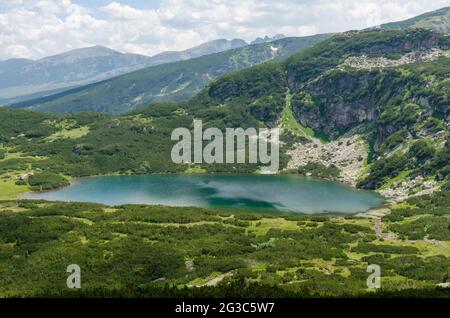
277 193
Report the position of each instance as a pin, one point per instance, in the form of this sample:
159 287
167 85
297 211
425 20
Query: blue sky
38 28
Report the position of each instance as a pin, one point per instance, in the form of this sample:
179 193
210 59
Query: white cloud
36 28
124 12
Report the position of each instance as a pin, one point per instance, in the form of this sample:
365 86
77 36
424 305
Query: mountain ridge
21 78
175 90
210 47
166 82
438 20
267 39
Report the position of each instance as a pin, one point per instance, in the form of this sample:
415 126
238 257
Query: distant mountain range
22 79
166 82
267 39
80 80
211 47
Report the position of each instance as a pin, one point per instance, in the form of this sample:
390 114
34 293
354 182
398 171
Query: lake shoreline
263 199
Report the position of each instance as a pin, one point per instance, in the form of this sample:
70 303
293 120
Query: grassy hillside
167 82
159 251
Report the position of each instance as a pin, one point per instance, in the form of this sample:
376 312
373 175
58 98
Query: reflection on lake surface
247 192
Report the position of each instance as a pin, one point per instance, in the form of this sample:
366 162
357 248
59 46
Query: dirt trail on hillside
376 216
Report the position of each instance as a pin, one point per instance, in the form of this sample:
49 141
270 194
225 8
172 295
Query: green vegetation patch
46 181
430 218
151 247
70 134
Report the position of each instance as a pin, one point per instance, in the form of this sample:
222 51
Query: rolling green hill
167 82
438 20
155 251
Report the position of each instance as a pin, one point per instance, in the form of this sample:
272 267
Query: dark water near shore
247 192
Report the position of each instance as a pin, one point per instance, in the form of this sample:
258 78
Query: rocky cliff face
337 103
390 89
356 89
